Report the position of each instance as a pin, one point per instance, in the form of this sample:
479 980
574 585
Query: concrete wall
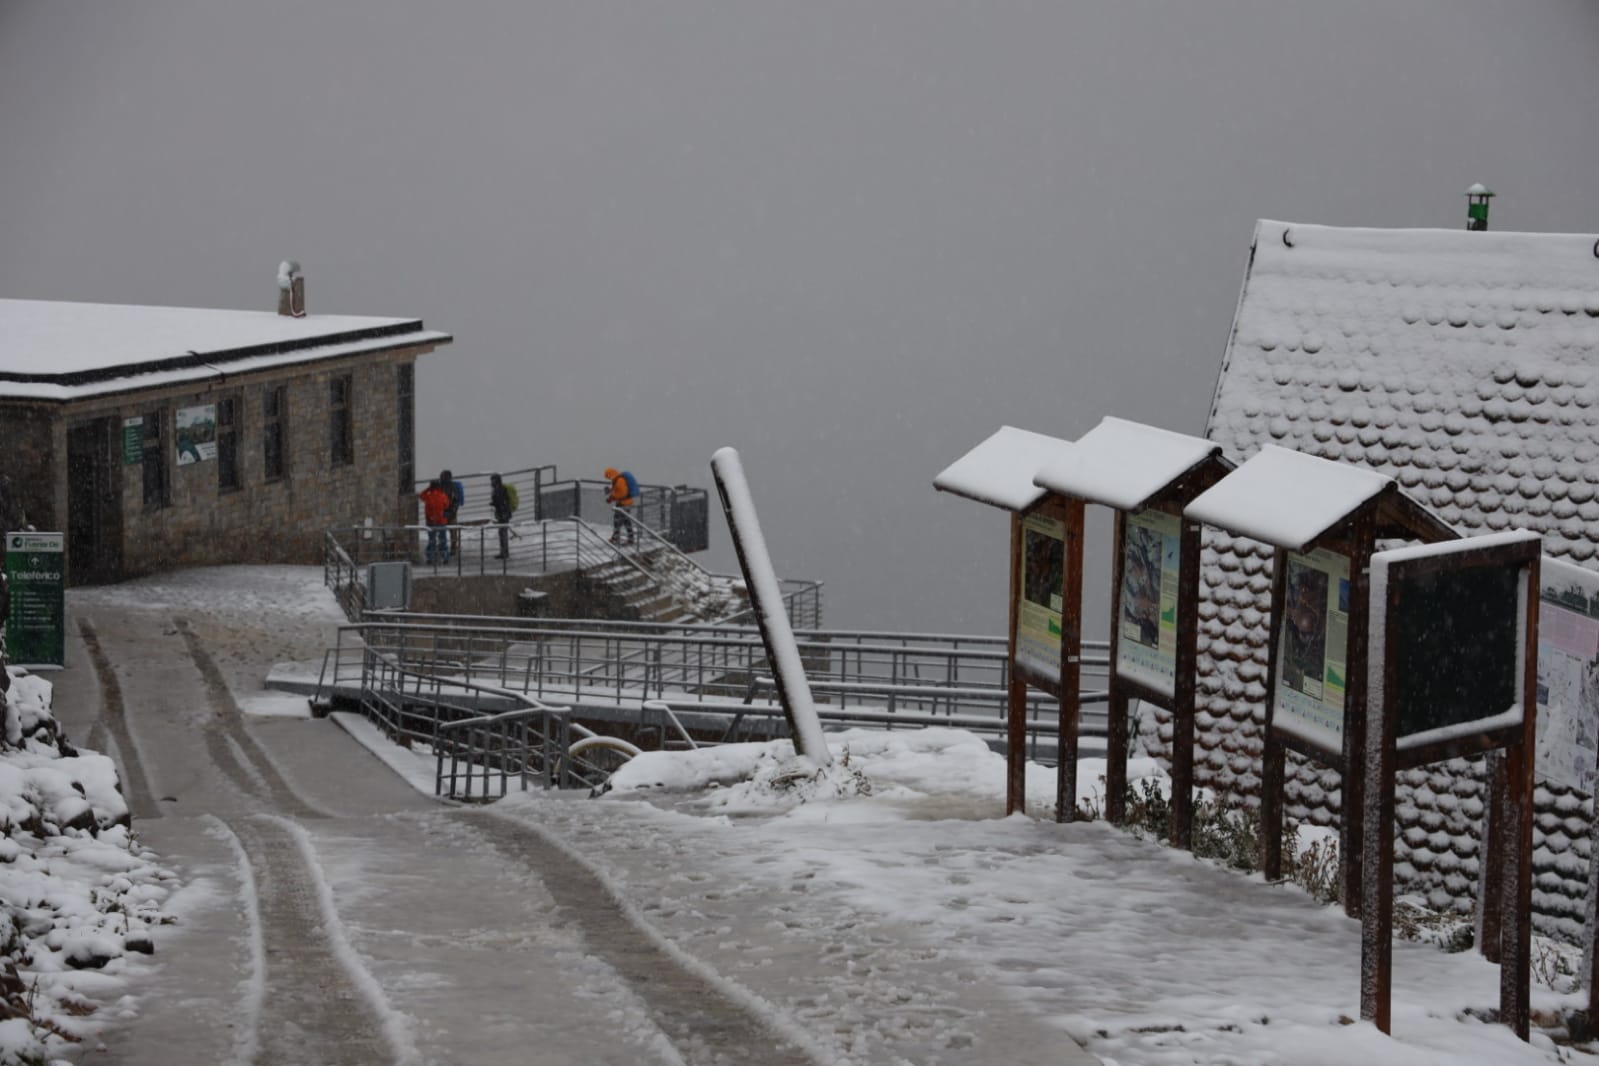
495 594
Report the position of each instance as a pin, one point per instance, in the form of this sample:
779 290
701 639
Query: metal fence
680 513
614 669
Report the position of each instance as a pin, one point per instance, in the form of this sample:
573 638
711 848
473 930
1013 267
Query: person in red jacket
435 508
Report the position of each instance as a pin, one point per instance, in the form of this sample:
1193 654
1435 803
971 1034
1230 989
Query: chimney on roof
1477 198
291 289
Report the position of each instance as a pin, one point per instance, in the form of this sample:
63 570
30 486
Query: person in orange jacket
623 495
435 509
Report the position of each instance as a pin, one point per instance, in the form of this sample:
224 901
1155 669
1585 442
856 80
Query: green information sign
132 441
36 573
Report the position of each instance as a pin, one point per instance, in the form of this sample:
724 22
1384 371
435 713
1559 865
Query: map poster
196 431
1312 640
1146 646
1038 610
1568 677
36 573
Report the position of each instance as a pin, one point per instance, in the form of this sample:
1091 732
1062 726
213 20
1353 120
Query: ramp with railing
668 686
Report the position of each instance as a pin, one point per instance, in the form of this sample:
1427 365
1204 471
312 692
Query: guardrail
474 751
859 676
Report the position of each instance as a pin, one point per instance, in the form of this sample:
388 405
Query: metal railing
550 546
680 513
477 755
719 671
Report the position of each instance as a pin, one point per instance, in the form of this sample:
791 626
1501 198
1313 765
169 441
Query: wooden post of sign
1515 965
1182 738
1071 662
1377 919
1360 546
1117 701
1016 706
1491 904
1273 755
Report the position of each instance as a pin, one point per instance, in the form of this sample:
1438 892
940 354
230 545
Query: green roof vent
1477 198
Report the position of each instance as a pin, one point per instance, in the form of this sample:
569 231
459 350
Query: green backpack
510 494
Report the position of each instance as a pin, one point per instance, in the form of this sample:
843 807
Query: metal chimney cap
1479 189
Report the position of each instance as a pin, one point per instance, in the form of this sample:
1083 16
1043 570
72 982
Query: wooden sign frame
1388 515
1180 701
1513 808
1065 683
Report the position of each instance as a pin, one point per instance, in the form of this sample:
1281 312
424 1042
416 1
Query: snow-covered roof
1122 464
1000 470
1284 497
1465 365
57 350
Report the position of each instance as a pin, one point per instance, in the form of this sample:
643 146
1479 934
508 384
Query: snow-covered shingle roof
1000 470
1122 464
1285 498
57 350
1465 365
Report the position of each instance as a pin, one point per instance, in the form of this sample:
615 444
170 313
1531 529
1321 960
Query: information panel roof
1000 471
1122 464
1286 498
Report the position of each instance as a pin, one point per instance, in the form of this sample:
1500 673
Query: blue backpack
632 484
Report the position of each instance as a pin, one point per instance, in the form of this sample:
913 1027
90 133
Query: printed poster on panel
196 430
1038 611
1146 648
1568 685
1312 641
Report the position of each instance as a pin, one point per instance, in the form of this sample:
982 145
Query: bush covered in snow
77 892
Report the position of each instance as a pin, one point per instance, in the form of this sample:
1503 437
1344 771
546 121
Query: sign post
1147 475
1324 520
1452 672
36 574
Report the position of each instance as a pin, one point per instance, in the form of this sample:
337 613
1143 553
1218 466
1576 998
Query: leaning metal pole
782 651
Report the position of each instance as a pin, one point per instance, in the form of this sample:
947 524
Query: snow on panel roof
1000 471
1122 464
1284 497
69 343
1466 365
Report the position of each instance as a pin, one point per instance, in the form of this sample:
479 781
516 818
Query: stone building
159 437
1465 365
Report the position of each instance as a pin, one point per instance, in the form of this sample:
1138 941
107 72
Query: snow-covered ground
78 895
884 911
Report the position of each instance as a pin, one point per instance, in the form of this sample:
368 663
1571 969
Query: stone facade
200 521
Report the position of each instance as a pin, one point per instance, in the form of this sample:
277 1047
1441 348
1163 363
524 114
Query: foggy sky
850 238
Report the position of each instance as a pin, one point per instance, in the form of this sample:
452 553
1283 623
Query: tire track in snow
317 1002
226 738
709 1020
141 801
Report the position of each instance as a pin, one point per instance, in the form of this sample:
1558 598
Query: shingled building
158 437
1466 366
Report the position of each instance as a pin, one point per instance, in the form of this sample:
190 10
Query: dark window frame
341 420
229 424
157 478
274 433
405 388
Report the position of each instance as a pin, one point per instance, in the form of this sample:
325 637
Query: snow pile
76 892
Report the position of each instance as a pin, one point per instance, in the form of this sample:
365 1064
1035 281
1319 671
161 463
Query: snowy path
335 916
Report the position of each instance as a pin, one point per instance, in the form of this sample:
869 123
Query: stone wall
28 452
261 521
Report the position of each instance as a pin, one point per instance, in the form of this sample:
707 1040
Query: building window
340 427
407 424
157 493
227 443
274 448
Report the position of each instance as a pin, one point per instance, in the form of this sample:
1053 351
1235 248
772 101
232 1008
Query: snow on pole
793 690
